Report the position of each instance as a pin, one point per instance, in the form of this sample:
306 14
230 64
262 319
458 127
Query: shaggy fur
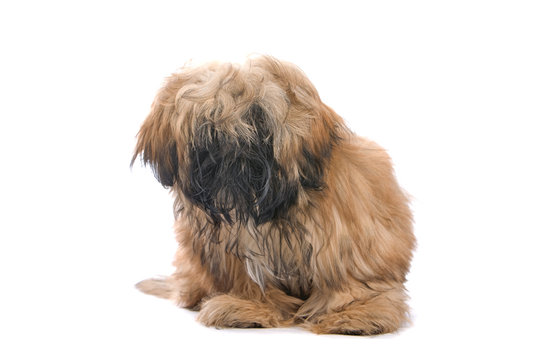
283 216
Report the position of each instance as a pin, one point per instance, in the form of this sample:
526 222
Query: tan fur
358 228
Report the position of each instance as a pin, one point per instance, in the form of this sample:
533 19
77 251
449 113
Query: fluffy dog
283 215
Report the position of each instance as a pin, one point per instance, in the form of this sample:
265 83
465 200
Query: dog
284 217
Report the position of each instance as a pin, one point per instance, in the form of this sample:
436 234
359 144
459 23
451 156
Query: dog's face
242 143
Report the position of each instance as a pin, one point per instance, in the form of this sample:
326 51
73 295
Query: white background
451 89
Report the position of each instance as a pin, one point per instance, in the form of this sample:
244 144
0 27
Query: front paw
340 324
351 322
229 311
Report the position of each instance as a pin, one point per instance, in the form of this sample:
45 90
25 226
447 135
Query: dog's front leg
245 305
364 309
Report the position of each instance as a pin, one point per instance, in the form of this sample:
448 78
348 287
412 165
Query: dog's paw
336 324
229 311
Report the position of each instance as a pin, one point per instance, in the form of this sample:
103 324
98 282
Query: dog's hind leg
159 287
187 286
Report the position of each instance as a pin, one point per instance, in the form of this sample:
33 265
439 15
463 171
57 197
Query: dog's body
283 215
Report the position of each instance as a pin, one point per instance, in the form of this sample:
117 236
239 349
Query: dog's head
242 143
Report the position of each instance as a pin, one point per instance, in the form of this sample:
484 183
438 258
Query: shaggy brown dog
283 215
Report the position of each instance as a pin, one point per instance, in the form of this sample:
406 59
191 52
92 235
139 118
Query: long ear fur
310 130
155 141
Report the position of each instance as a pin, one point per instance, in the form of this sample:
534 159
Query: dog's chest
278 258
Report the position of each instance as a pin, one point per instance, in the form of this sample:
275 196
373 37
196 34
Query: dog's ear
310 129
156 144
